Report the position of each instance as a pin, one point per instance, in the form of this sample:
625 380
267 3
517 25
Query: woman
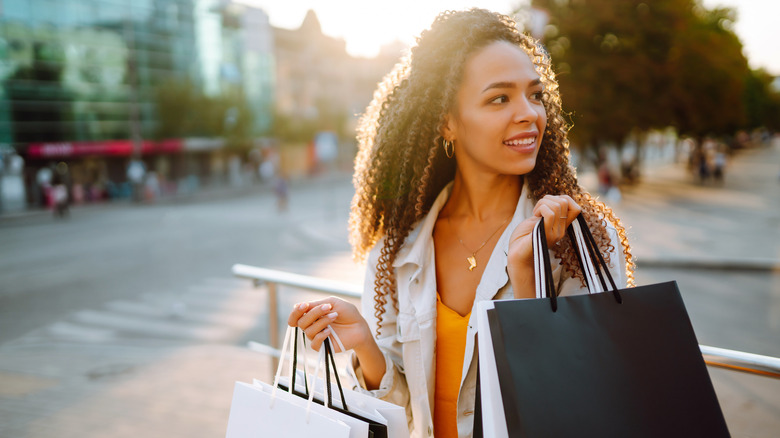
462 151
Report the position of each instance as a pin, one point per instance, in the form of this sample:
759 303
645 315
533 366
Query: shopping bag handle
595 255
329 359
586 251
295 364
545 286
326 355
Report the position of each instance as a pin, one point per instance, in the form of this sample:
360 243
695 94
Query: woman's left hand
558 213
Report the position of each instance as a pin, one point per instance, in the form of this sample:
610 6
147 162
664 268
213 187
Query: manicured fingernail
303 306
326 307
326 331
333 315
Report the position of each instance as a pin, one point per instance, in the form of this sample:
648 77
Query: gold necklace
472 259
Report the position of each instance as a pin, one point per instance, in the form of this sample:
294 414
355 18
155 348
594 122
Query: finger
557 228
320 324
551 210
301 308
569 208
574 210
317 341
296 314
314 314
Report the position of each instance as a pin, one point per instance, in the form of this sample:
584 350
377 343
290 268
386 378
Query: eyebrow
505 84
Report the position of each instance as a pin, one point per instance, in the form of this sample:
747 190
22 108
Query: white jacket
408 337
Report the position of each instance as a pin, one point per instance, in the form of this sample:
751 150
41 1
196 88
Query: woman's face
500 118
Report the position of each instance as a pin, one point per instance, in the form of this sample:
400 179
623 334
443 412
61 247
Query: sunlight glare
366 26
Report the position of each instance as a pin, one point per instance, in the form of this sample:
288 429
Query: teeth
521 142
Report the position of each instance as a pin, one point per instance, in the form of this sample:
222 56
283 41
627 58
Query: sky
366 25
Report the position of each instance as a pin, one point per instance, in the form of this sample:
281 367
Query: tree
707 72
184 111
627 66
762 102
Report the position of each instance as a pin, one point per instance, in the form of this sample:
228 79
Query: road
51 268
132 309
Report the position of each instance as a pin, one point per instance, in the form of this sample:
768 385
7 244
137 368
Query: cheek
543 117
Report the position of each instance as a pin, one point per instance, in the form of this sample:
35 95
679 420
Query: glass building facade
81 70
80 82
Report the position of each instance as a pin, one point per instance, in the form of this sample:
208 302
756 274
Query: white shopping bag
493 420
256 412
260 410
392 416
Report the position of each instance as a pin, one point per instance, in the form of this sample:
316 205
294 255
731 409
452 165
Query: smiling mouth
521 142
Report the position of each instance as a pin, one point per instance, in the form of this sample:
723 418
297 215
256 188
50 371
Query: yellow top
451 330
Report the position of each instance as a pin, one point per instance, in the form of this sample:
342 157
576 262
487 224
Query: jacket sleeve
393 387
617 267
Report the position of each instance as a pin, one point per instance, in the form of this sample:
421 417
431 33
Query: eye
499 99
537 95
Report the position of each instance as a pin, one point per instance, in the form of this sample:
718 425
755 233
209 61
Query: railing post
273 322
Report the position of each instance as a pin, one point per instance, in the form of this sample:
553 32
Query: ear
448 128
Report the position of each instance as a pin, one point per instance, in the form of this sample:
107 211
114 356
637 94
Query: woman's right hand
343 317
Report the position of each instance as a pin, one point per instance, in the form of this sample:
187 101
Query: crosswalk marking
215 309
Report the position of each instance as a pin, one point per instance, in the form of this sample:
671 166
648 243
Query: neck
484 197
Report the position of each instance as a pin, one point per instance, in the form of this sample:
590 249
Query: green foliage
183 111
295 129
762 101
632 65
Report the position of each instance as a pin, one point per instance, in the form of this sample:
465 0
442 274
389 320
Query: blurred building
248 59
320 84
178 88
81 80
315 73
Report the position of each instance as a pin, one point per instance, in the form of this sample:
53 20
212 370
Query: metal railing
713 356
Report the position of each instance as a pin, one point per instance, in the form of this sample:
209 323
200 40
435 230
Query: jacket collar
415 250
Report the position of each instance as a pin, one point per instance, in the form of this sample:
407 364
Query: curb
205 194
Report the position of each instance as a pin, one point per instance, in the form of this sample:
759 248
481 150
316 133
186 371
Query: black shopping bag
623 363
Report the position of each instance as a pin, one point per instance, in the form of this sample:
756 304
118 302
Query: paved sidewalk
166 389
207 193
675 221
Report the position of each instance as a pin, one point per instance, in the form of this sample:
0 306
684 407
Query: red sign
110 147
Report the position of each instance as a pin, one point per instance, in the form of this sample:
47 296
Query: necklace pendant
472 262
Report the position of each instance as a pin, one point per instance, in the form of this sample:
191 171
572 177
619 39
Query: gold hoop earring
449 148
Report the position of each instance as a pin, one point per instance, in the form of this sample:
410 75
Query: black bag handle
592 250
330 360
549 285
295 365
601 265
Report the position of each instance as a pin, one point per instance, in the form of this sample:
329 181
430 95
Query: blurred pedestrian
59 190
606 181
136 171
43 180
461 154
281 192
719 163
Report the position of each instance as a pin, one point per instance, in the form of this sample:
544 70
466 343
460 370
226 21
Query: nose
524 111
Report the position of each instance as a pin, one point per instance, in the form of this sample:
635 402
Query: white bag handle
289 333
591 275
540 276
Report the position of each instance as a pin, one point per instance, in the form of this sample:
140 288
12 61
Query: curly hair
401 167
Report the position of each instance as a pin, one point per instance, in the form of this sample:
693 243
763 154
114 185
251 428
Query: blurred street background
147 146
